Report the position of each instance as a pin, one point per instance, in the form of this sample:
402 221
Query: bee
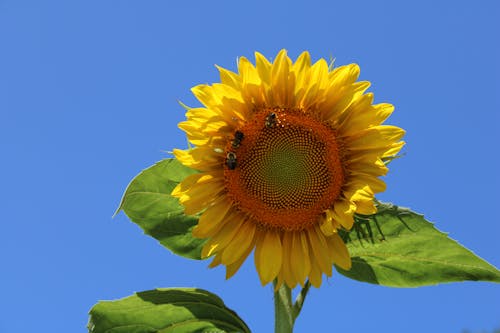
231 160
238 137
271 120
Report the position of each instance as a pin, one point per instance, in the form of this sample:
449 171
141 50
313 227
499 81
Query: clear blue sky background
88 98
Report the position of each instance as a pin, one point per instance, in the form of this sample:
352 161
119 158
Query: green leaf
179 310
399 248
147 202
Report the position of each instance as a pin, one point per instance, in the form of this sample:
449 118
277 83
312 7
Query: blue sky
88 98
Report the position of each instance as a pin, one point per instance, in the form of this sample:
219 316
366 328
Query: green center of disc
286 168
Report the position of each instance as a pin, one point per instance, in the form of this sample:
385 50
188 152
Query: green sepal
179 310
148 203
397 247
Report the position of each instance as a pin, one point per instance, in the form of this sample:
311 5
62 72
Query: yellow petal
263 68
348 95
281 84
212 219
319 74
363 199
343 211
359 194
289 261
225 92
320 250
215 262
361 180
205 94
223 237
393 149
185 185
326 225
203 159
200 197
383 110
361 115
318 82
315 275
195 127
268 256
302 74
230 78
248 72
223 100
209 249
242 241
252 91
373 168
344 75
366 207
201 114
231 269
358 116
339 252
303 63
341 81
195 180
300 257
374 137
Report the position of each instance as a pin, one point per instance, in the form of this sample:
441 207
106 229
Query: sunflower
288 153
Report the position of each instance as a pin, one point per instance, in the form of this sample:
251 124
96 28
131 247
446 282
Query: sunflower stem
283 309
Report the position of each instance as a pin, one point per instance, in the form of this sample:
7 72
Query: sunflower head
288 152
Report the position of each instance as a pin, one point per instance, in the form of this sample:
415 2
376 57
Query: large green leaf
399 248
179 310
147 202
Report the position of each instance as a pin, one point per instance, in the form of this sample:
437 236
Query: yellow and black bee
231 160
238 137
271 120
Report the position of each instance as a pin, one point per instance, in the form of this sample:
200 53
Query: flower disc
288 172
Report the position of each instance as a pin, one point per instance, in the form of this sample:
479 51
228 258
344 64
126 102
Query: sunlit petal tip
340 254
241 243
303 60
354 69
366 207
343 213
327 227
262 60
384 107
212 219
243 64
209 249
281 55
200 91
231 269
176 192
315 275
215 262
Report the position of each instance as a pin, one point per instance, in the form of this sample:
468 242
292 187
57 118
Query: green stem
299 301
285 312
